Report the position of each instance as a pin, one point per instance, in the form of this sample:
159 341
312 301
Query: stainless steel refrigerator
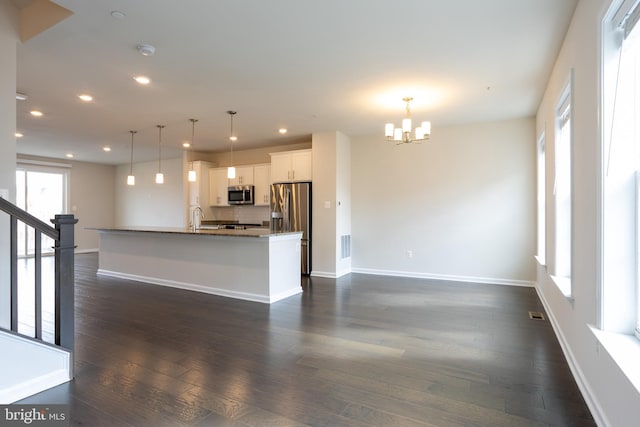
291 211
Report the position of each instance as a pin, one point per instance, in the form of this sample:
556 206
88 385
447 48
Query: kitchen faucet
196 224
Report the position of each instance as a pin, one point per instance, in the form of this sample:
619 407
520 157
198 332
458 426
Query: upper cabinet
244 176
262 182
291 166
199 190
256 175
218 186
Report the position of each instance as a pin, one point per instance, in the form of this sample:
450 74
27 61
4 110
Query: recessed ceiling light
106 149
282 131
21 96
69 155
186 145
143 80
85 97
19 135
117 14
36 113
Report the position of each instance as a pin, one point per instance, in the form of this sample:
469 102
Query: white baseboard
453 278
265 299
286 294
29 367
33 386
583 385
85 251
325 274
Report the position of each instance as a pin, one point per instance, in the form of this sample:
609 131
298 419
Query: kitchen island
251 264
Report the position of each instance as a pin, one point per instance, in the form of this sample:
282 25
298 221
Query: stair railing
63 235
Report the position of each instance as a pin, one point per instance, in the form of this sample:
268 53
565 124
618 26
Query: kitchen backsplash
242 214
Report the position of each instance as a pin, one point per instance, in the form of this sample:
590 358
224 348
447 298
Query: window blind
627 16
564 111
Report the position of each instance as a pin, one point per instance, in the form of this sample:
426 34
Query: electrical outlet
409 254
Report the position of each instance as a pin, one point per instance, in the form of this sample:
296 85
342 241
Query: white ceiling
310 66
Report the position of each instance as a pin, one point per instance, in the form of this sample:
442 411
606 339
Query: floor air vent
536 315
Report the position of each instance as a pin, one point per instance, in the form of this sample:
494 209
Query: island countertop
253 264
248 232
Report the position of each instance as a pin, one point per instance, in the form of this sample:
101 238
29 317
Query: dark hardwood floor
357 351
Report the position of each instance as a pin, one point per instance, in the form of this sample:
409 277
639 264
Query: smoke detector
146 49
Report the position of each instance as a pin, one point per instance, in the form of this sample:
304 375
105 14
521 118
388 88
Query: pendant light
231 170
131 179
192 173
160 175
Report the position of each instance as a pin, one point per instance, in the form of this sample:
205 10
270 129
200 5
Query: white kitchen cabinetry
218 186
291 166
244 176
262 183
199 190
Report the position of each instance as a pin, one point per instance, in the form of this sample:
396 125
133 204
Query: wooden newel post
65 281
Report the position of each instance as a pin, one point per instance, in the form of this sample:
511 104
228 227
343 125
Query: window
620 288
541 182
562 192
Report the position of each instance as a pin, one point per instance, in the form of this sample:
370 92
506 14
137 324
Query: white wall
323 238
92 201
148 204
343 200
8 43
462 202
331 195
611 397
249 156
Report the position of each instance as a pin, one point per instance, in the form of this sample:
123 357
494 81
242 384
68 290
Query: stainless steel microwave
240 195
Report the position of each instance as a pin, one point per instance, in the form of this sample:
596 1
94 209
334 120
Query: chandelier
402 135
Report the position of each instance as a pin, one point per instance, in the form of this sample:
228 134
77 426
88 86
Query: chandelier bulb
388 130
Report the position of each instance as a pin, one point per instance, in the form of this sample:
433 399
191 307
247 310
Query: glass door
41 191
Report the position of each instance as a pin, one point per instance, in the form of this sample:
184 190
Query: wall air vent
345 246
536 315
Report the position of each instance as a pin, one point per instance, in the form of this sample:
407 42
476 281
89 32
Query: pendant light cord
193 131
232 138
160 148
133 132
